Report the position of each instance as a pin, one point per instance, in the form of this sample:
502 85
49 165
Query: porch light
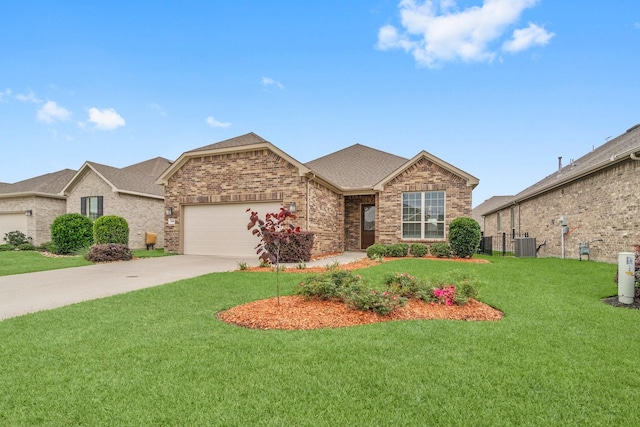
28 212
168 211
292 207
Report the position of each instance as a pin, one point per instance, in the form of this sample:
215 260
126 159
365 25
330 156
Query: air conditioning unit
525 247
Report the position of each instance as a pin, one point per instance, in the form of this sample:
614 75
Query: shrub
398 250
440 250
109 252
15 238
328 285
381 302
377 250
111 229
7 247
71 232
47 247
418 250
464 236
403 284
26 247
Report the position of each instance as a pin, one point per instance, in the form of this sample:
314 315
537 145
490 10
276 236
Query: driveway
28 293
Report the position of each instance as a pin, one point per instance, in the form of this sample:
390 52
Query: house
487 206
590 202
130 192
30 206
349 199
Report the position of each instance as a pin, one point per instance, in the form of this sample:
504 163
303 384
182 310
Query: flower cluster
445 294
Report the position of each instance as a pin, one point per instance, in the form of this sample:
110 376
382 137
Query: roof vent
633 127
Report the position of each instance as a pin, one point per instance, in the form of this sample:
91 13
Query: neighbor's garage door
12 222
222 229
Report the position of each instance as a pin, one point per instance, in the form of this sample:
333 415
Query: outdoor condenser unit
525 247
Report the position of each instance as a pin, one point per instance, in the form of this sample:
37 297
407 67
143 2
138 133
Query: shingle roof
239 141
51 183
357 166
127 181
152 167
606 155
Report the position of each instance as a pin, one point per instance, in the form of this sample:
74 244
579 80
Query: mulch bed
297 312
614 301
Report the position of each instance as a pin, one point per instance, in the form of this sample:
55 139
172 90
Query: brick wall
326 219
44 210
423 176
603 205
353 216
142 213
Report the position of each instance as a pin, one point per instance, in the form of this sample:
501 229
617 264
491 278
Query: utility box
525 247
150 240
626 277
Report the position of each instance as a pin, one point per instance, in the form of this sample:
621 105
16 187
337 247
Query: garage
12 222
222 229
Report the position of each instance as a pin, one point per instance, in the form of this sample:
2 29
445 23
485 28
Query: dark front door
367 226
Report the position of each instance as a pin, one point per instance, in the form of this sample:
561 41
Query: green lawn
18 262
159 357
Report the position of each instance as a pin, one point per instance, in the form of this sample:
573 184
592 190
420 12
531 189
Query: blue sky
498 88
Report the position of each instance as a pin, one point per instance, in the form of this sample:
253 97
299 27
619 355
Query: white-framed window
423 215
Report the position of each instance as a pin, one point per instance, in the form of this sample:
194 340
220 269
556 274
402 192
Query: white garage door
222 229
12 222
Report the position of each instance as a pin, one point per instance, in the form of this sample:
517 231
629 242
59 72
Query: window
423 215
499 221
91 207
513 218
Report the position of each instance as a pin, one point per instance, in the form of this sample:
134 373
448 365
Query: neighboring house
488 206
349 199
30 206
594 199
130 192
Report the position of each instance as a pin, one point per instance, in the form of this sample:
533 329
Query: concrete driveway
28 293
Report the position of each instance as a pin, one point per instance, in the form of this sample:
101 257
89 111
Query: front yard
159 356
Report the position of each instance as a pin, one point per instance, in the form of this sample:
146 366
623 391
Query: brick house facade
596 194
247 170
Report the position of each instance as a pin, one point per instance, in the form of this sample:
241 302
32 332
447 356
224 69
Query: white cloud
216 124
51 112
5 94
106 119
30 97
268 81
437 33
525 38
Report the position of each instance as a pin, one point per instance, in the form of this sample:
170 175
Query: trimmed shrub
111 229
15 238
47 247
327 285
398 250
440 250
71 232
6 247
464 236
377 250
297 249
109 252
418 250
26 247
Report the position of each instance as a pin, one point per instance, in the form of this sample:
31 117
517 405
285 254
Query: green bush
440 250
15 238
381 302
327 285
377 250
71 232
418 250
7 247
111 229
398 250
464 236
109 252
26 247
47 247
403 284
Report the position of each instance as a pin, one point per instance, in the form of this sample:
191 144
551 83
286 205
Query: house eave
32 194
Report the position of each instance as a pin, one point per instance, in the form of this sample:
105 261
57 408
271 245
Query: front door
367 226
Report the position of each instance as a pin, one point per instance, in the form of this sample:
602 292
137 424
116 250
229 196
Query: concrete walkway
28 293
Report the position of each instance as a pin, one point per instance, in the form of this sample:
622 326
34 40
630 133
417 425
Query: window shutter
83 206
99 206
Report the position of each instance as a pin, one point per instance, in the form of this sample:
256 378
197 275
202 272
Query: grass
18 262
159 357
154 253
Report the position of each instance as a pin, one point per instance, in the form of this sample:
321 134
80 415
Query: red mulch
296 312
